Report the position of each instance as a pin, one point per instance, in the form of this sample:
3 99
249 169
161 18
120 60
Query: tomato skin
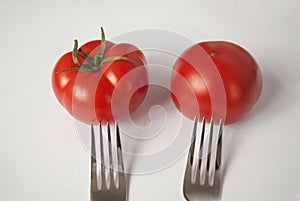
239 73
138 76
87 96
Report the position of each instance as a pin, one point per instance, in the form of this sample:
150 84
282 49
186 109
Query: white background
41 155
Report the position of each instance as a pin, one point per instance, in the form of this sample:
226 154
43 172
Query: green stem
74 53
88 57
98 58
103 43
115 58
94 64
68 69
82 69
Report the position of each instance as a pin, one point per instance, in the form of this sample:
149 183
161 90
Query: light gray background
41 155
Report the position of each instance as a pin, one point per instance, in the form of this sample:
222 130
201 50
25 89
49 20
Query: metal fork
202 180
107 169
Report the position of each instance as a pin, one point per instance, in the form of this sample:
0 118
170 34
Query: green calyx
94 64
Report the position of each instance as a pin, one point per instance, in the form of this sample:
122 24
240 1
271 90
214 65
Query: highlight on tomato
216 78
85 80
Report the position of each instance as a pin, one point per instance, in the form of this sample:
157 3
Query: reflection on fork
202 180
107 168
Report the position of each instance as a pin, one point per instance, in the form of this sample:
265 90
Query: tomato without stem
86 86
240 76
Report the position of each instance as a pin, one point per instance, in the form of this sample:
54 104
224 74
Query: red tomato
207 70
88 96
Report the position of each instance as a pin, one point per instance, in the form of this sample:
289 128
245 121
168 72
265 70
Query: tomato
206 70
86 86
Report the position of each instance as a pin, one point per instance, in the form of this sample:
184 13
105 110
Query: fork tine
192 152
93 149
105 158
113 154
110 161
204 151
119 149
93 182
219 149
100 169
114 169
214 148
121 174
195 147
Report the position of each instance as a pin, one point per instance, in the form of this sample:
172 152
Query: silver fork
107 169
202 180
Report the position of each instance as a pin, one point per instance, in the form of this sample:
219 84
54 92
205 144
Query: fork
204 156
107 168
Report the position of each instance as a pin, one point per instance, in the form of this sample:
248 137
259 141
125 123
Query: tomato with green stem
207 69
85 80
